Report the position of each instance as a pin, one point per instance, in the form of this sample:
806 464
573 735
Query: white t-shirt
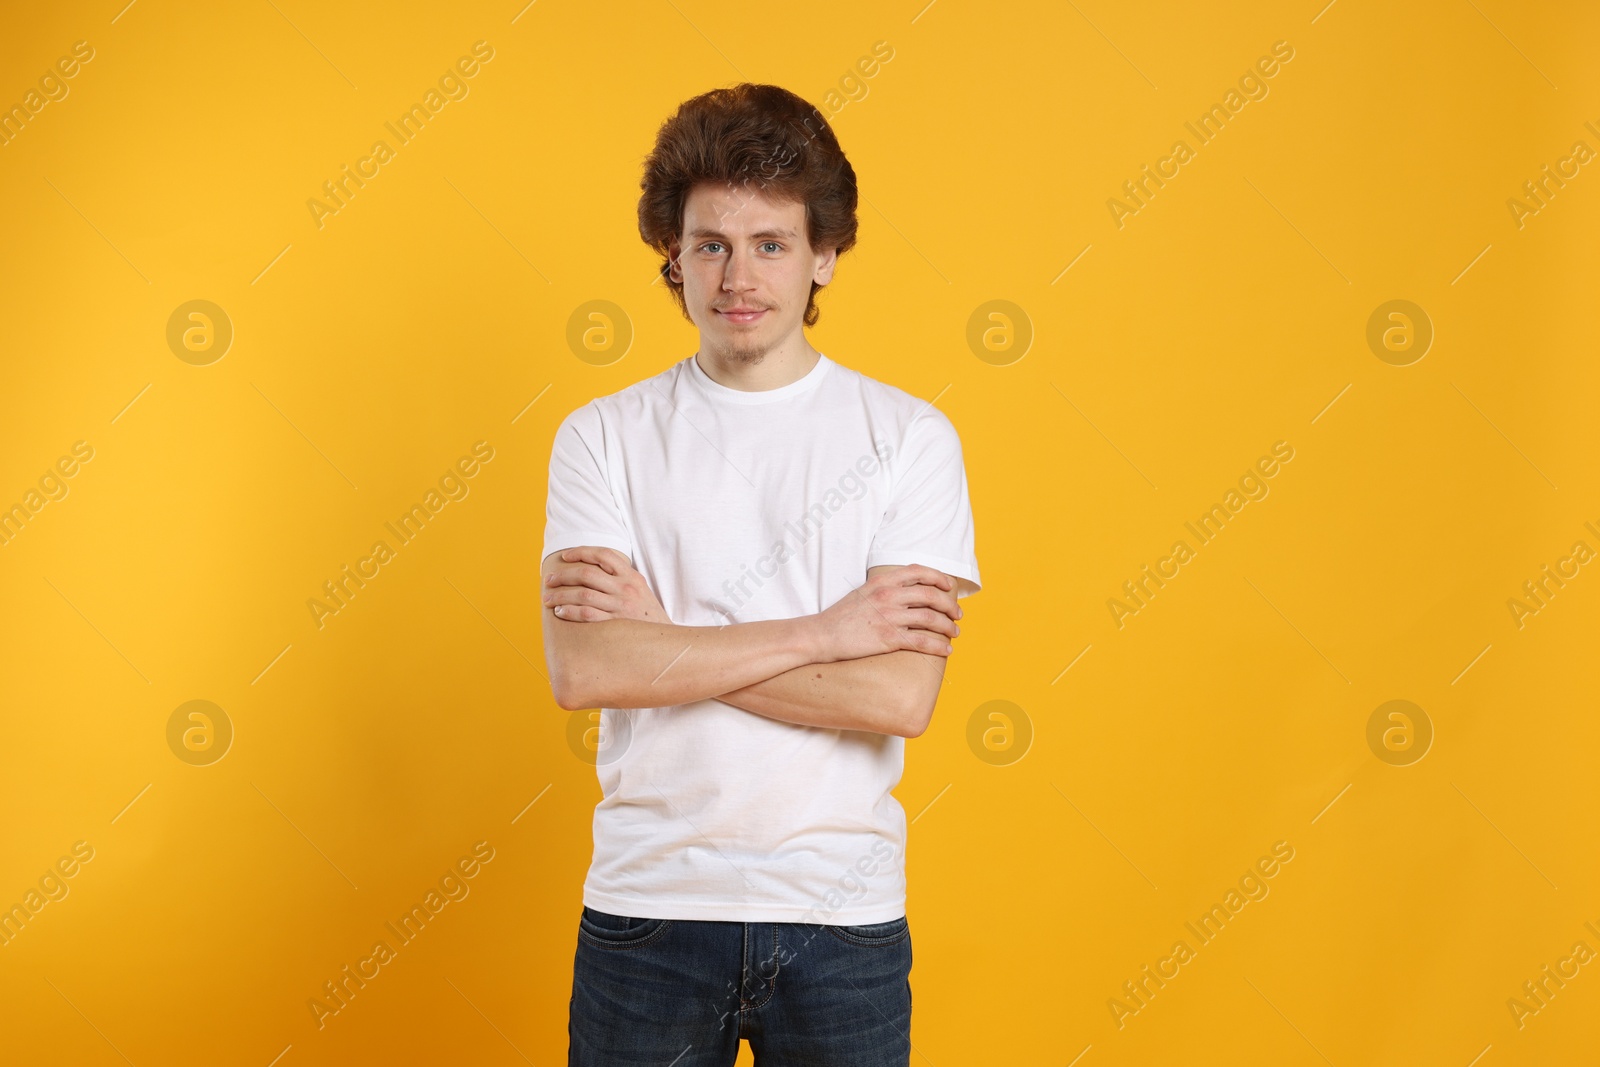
740 506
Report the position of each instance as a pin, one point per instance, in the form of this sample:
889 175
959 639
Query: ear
674 270
825 264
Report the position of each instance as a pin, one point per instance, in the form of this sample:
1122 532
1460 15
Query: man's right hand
911 607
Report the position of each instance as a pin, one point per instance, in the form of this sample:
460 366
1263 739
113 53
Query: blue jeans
682 992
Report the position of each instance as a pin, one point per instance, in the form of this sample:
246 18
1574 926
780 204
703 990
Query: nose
739 276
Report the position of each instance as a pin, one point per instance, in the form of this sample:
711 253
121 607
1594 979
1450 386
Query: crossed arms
873 661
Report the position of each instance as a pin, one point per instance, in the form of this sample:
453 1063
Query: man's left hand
594 583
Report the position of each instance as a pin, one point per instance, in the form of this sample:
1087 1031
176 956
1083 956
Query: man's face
742 250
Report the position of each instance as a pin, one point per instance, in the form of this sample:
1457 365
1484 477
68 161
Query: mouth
742 315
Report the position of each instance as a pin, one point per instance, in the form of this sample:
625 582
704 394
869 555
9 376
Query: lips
742 314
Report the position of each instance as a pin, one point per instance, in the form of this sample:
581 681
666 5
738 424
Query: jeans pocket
873 934
605 930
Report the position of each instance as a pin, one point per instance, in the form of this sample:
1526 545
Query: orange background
1054 852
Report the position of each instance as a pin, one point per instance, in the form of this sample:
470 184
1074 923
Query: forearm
624 663
853 694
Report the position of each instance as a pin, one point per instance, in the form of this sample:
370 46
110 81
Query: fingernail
958 612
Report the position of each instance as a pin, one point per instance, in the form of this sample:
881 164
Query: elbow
564 696
570 658
575 691
913 720
568 695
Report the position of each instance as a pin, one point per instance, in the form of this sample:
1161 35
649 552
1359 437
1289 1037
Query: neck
761 371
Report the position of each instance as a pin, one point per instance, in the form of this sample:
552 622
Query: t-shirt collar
718 391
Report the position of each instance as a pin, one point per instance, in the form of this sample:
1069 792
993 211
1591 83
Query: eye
776 247
708 244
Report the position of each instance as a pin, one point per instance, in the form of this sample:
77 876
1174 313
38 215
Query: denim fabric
682 992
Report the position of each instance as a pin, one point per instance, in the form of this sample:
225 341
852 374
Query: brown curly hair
760 136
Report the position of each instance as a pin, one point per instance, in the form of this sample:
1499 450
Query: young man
751 565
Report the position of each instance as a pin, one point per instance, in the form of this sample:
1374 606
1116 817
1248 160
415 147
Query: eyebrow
763 234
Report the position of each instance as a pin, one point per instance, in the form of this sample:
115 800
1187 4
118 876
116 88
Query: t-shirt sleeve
580 509
929 518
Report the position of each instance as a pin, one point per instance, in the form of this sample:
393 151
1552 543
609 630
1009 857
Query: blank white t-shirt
740 506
